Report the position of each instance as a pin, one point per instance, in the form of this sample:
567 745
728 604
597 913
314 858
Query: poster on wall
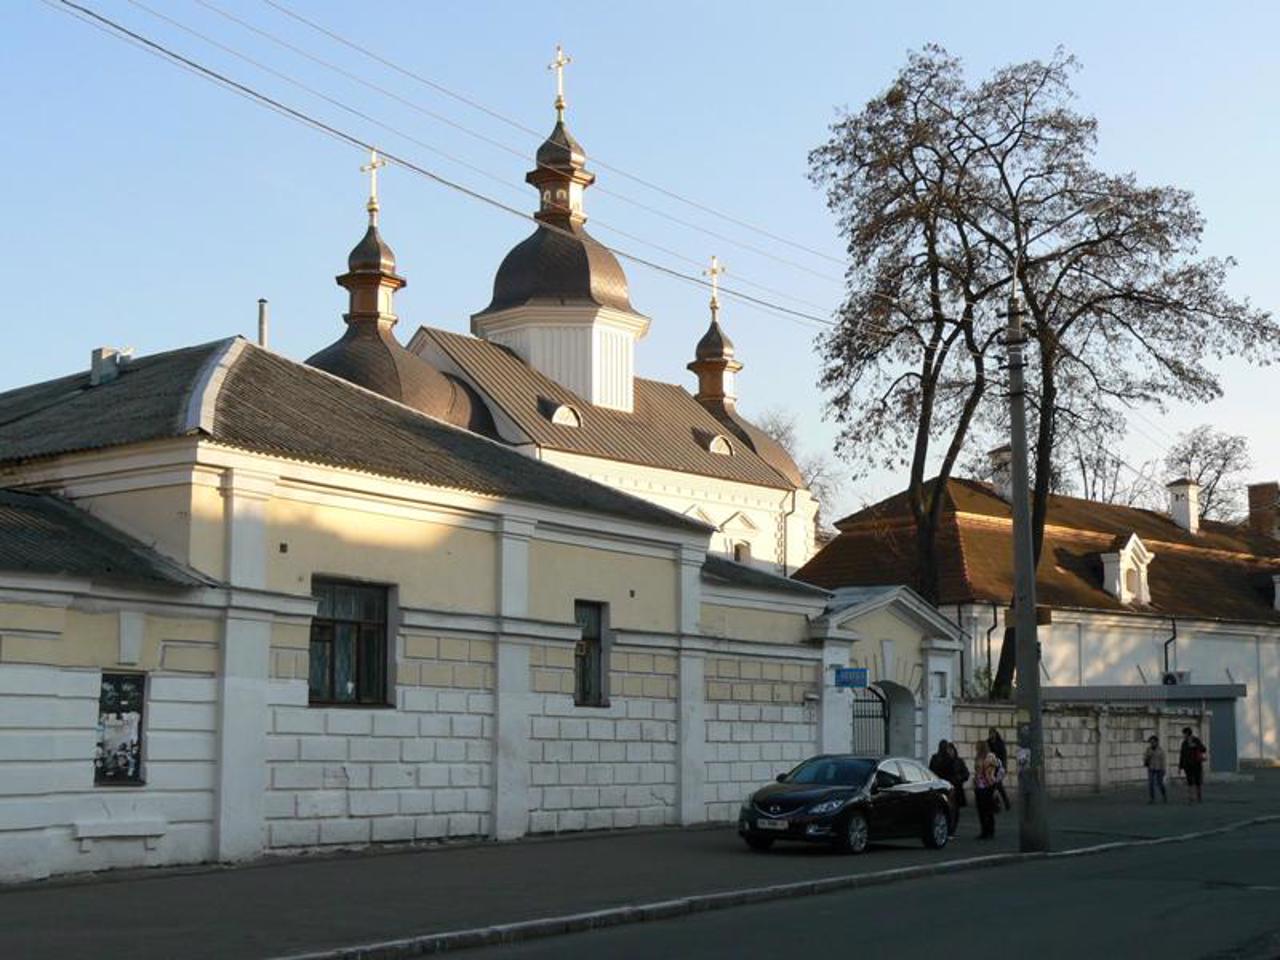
118 758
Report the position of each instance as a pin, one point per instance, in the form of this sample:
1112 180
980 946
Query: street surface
1218 897
279 907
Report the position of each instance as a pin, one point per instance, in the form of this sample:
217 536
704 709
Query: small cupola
1184 503
1000 469
368 354
713 360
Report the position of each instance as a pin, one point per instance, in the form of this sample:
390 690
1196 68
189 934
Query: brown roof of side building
238 394
668 428
1223 573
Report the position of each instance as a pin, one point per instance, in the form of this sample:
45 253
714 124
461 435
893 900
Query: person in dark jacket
1191 757
942 766
995 743
959 775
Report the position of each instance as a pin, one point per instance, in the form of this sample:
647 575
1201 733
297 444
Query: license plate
771 824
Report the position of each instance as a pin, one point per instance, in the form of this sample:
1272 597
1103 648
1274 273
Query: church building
483 587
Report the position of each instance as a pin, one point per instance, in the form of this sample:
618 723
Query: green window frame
591 654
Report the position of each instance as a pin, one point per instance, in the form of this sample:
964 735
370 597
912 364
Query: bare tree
951 197
1216 460
818 470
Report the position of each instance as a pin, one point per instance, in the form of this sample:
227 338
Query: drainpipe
1172 637
995 622
785 517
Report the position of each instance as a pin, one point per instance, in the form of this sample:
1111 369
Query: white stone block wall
759 724
48 730
603 767
421 770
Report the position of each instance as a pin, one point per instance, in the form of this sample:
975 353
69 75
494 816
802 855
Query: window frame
585 696
384 698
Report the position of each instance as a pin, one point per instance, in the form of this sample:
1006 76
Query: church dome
371 253
715 344
560 268
370 357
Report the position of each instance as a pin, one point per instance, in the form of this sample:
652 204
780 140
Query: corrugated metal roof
724 570
44 534
668 428
271 404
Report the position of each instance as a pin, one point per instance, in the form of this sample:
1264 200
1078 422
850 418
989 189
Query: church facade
251 605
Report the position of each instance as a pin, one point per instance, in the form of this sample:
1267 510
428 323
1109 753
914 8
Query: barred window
590 671
349 643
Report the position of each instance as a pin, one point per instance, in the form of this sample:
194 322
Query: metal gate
870 723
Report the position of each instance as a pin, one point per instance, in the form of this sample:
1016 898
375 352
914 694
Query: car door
888 800
919 800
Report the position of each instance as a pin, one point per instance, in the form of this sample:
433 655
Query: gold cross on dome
558 64
371 168
714 272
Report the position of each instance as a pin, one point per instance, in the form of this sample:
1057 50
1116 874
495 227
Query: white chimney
1000 463
105 364
1184 504
262 322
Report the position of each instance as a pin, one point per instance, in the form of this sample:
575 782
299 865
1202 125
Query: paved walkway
280 907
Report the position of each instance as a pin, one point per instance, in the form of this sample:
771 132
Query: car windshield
833 772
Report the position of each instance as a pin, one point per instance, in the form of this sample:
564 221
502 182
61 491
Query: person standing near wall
1153 759
996 745
987 774
1191 757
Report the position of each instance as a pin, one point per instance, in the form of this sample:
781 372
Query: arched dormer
1124 571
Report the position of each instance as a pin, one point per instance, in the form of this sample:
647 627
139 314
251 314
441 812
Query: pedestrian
942 766
1191 757
987 774
959 775
995 743
1153 760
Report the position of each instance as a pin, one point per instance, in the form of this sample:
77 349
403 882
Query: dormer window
565 416
742 552
1124 572
716 443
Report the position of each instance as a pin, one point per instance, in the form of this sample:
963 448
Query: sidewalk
279 907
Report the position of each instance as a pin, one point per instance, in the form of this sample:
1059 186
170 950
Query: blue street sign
851 677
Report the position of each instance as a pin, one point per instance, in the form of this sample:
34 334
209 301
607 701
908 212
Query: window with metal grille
589 670
349 643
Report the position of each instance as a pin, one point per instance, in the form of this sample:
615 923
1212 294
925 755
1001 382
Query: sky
146 207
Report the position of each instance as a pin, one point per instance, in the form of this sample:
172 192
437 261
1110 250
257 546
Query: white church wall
54 819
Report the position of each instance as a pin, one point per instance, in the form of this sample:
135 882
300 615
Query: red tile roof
1224 572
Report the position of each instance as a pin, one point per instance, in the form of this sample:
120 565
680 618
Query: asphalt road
1217 897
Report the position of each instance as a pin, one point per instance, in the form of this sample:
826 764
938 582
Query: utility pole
1033 818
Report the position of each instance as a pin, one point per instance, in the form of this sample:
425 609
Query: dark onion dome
715 344
561 151
560 268
369 356
371 253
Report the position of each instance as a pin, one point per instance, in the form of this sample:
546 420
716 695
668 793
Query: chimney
1264 505
262 321
105 364
1184 503
1000 463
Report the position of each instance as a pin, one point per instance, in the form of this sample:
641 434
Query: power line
515 151
343 136
474 104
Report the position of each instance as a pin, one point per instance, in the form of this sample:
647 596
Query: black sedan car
849 801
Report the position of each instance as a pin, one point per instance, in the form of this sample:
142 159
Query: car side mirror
781 778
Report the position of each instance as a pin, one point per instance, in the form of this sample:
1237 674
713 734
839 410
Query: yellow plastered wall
760 680
877 626
435 565
208 550
640 591
743 623
72 638
159 516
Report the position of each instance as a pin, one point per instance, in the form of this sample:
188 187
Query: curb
497 934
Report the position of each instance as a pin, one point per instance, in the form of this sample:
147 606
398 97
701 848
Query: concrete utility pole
1033 818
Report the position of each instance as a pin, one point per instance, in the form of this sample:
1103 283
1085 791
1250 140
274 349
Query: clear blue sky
145 207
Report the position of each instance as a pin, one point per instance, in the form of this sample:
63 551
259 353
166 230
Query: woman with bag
987 773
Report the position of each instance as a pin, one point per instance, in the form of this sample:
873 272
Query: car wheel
937 829
856 834
758 843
